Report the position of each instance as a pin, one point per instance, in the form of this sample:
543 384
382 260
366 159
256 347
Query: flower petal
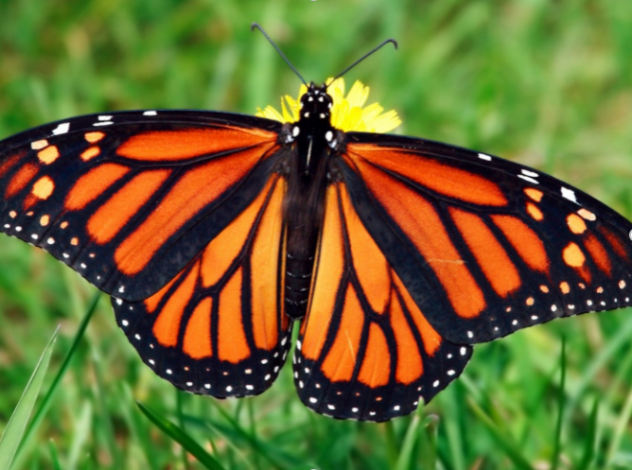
386 122
270 113
358 94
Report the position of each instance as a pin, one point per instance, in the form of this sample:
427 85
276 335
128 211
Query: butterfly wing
366 351
485 246
218 327
128 199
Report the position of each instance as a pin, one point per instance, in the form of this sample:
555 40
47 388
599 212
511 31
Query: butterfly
216 232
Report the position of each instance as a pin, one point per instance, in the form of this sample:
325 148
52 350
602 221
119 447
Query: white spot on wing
61 128
533 174
527 178
150 113
568 194
482 156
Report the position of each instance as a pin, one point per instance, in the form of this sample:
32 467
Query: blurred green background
547 84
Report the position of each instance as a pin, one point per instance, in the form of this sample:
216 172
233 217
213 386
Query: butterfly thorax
304 202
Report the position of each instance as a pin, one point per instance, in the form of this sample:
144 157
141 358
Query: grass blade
15 433
562 401
179 405
620 431
591 439
501 437
182 438
41 410
53 456
252 441
406 453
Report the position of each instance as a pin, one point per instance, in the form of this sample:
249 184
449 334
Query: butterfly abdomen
303 214
298 278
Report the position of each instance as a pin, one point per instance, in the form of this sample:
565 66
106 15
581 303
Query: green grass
548 84
15 431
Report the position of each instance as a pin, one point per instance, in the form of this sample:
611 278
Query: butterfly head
316 105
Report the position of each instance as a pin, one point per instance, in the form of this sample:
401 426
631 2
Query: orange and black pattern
127 199
130 200
486 246
218 327
366 351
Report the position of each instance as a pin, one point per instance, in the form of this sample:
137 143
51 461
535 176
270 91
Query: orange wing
366 351
218 327
128 199
485 246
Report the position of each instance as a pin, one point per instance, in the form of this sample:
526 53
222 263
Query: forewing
366 351
483 245
218 327
128 199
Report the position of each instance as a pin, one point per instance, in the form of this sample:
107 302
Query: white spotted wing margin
365 350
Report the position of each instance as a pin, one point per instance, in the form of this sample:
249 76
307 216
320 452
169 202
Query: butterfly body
307 173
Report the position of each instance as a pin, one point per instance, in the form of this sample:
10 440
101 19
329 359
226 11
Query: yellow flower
347 113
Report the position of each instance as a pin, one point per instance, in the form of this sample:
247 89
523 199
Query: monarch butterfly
213 232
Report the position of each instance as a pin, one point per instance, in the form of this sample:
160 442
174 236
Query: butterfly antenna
256 25
392 41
